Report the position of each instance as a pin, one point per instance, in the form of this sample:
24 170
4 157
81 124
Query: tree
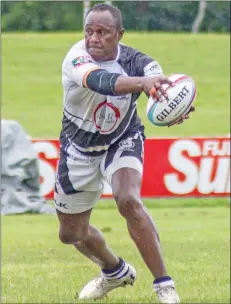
64 15
200 16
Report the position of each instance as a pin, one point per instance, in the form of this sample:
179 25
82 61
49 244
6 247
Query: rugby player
102 138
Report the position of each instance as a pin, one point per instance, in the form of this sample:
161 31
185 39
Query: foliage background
137 15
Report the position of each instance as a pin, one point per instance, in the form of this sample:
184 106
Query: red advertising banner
186 167
173 167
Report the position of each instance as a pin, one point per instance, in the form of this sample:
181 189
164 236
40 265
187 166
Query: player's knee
129 205
72 237
66 238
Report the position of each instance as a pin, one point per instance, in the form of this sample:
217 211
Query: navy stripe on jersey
63 177
65 110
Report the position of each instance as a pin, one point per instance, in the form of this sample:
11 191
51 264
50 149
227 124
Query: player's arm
85 73
146 66
103 82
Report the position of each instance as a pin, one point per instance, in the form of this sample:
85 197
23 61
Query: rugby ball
178 103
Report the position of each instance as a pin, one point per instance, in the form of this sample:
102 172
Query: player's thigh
126 184
78 184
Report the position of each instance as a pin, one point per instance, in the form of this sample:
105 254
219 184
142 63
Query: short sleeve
77 65
153 68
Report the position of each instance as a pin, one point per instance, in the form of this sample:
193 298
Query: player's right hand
153 86
185 116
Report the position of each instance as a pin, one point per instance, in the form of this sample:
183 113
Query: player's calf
131 208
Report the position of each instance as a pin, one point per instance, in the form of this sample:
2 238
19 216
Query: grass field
32 92
36 267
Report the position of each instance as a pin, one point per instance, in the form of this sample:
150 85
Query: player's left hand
185 116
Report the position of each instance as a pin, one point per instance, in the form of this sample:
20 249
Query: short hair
115 12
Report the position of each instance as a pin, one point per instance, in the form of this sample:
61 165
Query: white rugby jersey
91 121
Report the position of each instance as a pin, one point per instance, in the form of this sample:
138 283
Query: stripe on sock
115 273
162 279
123 272
118 274
115 269
123 275
162 283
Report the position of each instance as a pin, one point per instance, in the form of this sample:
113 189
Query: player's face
102 36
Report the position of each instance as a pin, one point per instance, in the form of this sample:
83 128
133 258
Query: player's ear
121 33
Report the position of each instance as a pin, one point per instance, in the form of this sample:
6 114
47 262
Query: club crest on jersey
78 61
106 116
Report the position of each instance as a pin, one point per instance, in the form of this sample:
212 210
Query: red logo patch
106 116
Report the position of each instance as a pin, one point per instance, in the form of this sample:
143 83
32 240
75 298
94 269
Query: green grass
186 202
31 79
37 268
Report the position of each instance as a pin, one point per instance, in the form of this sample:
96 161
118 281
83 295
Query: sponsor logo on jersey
152 69
127 144
78 61
61 205
123 97
106 116
156 69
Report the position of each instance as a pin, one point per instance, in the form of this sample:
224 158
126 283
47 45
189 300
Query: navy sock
117 267
162 279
